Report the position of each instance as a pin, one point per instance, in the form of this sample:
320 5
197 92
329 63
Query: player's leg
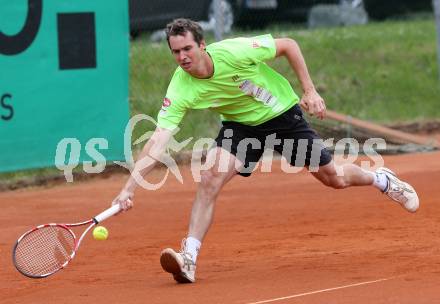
212 181
182 265
349 175
383 179
310 150
228 159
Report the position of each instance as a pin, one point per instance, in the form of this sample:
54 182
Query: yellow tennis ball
100 233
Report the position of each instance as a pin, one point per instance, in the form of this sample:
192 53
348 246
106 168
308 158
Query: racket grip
107 213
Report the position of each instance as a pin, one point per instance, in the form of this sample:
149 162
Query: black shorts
289 134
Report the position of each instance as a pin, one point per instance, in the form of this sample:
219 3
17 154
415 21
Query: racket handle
107 213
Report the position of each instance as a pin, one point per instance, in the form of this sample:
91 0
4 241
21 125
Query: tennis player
255 102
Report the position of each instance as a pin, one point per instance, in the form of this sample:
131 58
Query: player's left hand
312 103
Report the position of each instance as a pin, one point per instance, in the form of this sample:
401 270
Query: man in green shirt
259 110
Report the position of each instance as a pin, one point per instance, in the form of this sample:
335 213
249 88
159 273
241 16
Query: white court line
319 291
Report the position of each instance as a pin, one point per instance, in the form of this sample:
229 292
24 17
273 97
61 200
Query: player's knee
332 180
336 182
210 180
329 177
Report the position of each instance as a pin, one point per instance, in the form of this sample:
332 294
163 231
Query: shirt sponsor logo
235 78
260 94
265 42
255 44
166 102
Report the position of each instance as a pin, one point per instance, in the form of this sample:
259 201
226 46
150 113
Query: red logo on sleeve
166 102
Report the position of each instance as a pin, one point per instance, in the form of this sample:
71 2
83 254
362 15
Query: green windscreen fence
63 74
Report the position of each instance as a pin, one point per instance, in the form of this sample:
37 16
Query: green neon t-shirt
243 87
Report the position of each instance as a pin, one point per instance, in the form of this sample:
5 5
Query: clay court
277 238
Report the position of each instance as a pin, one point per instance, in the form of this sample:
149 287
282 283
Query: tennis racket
46 249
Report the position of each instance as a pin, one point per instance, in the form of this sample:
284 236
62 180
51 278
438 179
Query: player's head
186 42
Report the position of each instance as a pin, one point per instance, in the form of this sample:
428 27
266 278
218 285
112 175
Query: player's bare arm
147 160
311 101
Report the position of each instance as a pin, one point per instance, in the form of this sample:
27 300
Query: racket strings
44 250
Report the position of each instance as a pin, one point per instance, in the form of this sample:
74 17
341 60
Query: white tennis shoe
179 264
400 191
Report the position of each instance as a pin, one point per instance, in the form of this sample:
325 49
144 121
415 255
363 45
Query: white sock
380 181
192 245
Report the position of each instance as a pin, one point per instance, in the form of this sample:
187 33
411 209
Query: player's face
186 51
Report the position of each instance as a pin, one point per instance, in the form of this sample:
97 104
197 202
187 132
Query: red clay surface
275 235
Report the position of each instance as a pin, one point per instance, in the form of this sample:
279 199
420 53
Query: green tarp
63 74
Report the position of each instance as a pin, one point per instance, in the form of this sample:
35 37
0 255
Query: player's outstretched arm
151 152
311 101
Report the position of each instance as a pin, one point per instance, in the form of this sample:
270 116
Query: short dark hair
181 26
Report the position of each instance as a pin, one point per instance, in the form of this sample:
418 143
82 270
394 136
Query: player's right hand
313 104
125 200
